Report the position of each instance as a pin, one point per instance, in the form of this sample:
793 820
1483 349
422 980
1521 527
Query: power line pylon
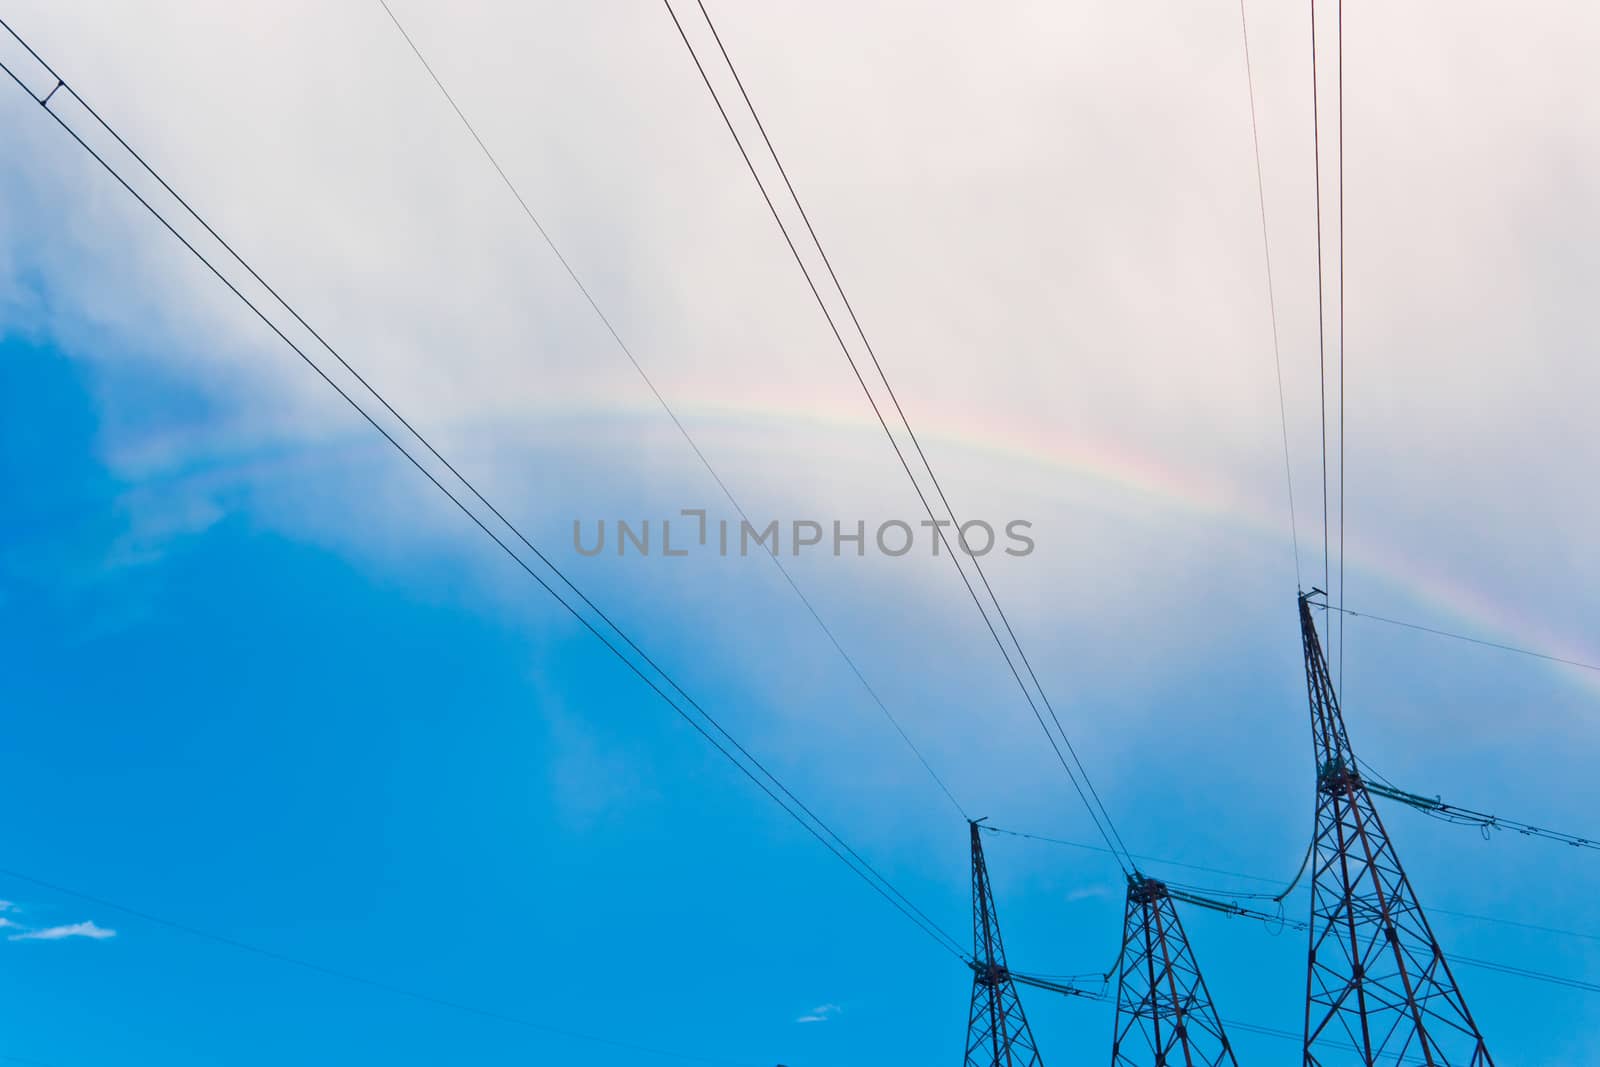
1164 1013
997 1031
1375 975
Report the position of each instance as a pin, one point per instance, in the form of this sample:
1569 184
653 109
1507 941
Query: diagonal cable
694 446
1085 788
1272 298
821 831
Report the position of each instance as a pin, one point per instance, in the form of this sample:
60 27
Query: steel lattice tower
997 1031
1164 1013
1375 975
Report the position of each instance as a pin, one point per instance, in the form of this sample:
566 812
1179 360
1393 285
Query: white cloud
820 1014
1025 307
57 933
1091 892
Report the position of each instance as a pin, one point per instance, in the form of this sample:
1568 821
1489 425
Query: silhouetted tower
997 1031
1375 977
1164 1014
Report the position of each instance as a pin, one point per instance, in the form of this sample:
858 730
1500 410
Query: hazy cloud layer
1054 250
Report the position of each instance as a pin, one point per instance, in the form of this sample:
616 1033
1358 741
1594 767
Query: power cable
1278 897
821 831
683 430
1513 922
1523 972
358 979
1105 851
1096 808
905 421
1230 907
1322 347
1103 997
1339 12
1438 809
1305 865
1463 637
1272 298
1453 813
1280 922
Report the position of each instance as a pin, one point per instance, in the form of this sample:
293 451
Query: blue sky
380 774
259 681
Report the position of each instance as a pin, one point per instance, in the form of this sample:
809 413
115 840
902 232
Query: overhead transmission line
1428 805
644 667
1434 807
1322 346
360 979
1105 851
1211 901
1278 897
1453 813
1272 296
1322 315
1464 637
1523 972
1077 774
1339 23
694 446
1068 986
1072 989
1339 607
1283 421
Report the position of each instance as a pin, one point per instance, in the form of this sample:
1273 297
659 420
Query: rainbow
1458 605
1057 452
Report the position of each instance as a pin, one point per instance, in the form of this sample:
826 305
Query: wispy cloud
1090 892
820 1014
57 933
